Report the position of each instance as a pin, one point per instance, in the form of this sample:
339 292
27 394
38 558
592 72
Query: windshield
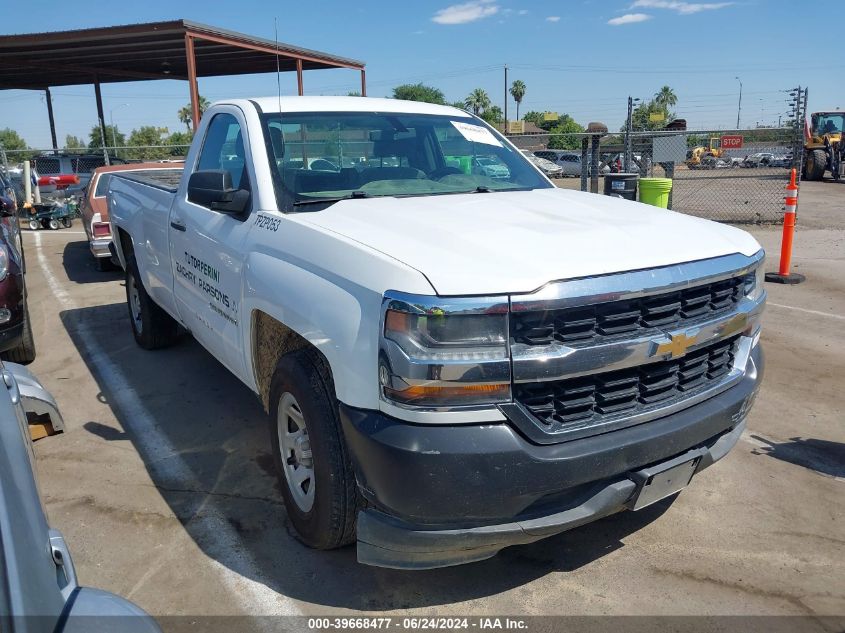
325 157
830 123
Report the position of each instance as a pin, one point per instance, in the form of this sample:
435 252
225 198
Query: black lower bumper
443 495
10 336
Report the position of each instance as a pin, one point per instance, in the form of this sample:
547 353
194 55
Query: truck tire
152 327
24 352
815 165
312 461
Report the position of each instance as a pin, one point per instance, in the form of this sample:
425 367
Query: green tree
562 133
141 140
179 142
419 92
641 117
537 118
186 112
460 105
493 115
353 93
518 92
478 101
666 97
11 140
74 142
114 137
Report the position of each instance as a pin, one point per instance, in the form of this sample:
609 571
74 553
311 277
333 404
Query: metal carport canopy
177 49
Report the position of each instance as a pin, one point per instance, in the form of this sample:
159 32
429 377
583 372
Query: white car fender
328 289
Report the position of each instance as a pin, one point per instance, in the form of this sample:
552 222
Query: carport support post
585 144
594 165
597 131
192 81
98 95
52 120
299 77
363 83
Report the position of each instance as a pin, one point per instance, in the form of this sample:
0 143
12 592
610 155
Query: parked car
760 159
546 166
450 364
569 162
40 591
94 210
490 167
781 160
66 164
16 338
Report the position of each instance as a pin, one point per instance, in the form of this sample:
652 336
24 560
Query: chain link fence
733 176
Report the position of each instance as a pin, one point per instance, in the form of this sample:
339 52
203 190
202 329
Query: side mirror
212 188
7 207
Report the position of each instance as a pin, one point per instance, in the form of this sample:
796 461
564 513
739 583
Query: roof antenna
278 70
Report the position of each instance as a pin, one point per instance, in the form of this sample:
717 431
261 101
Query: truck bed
166 178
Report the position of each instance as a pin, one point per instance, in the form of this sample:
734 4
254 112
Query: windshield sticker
476 133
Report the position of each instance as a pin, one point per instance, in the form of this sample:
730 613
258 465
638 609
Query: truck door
205 249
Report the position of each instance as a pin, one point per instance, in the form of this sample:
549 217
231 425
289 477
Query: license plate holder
663 480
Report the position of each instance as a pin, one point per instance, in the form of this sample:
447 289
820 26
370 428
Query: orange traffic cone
783 276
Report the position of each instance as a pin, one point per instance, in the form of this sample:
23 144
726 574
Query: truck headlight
754 282
4 262
444 353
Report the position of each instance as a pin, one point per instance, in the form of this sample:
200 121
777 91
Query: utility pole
506 100
739 105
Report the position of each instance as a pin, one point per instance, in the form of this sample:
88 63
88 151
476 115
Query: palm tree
666 97
478 101
186 113
518 92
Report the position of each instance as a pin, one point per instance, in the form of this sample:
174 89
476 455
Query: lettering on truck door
206 252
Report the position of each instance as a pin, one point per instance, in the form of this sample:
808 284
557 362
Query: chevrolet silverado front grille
633 317
585 401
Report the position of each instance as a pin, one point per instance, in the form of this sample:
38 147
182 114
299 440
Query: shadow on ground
81 268
823 456
218 428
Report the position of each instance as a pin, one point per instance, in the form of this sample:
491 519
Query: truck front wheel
152 327
318 485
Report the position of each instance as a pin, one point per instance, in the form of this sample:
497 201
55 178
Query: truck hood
513 242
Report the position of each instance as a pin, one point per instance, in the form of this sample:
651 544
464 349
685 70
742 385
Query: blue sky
583 57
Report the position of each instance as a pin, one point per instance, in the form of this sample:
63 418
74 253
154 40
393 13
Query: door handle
177 226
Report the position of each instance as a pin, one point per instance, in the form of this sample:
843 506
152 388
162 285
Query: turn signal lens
453 395
449 396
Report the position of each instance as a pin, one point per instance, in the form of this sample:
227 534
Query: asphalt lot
164 488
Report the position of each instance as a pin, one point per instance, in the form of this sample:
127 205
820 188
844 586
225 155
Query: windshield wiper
482 189
352 196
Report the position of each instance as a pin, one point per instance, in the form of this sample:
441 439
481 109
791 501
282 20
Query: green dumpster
655 191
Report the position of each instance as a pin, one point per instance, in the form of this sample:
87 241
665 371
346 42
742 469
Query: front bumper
444 495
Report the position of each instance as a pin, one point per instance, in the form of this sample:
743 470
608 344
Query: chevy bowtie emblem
677 345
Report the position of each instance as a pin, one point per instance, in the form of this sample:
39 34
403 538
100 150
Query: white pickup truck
451 362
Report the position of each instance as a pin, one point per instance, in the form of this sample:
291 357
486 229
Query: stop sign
732 141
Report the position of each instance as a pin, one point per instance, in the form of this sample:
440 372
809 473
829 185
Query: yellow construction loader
824 149
694 155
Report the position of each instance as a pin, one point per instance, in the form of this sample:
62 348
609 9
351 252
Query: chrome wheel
295 448
135 305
